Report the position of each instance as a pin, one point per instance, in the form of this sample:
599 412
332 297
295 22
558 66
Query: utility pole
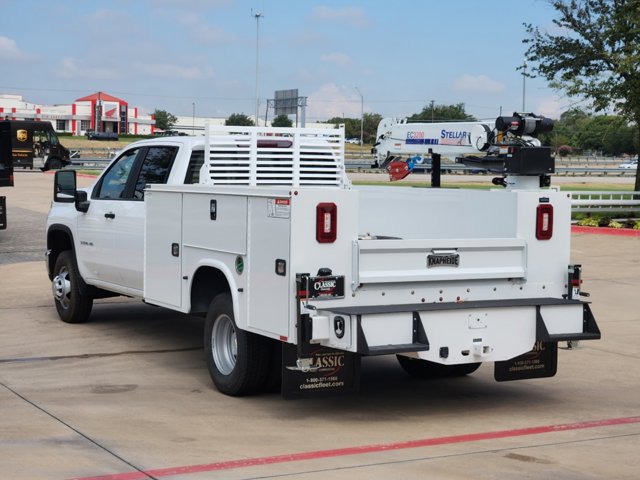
257 16
433 102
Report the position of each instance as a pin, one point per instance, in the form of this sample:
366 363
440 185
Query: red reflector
326 222
544 221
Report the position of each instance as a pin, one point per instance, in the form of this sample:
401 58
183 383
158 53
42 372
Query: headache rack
274 156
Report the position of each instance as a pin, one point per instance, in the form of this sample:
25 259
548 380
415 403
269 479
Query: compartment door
163 249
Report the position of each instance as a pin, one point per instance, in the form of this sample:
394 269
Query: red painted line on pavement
342 452
618 232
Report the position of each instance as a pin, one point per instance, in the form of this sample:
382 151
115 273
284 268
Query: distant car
630 165
353 140
93 135
170 133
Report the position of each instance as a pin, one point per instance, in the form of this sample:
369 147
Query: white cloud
71 68
10 52
102 15
549 107
331 100
337 58
200 31
478 84
354 17
168 70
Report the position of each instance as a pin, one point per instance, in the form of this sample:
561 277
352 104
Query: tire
72 306
465 369
424 369
238 361
419 368
273 382
53 163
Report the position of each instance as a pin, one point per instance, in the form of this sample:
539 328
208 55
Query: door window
114 182
155 168
193 171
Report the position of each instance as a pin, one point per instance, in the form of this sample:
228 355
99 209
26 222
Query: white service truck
299 274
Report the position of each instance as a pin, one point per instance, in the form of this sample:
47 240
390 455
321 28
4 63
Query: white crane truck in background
299 274
397 140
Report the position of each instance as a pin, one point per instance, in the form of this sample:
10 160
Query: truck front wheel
72 306
238 361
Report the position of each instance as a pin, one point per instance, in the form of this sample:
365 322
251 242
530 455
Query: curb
616 232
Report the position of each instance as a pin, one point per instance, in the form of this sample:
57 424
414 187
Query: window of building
85 125
61 125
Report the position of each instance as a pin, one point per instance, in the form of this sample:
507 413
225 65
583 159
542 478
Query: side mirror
82 204
64 186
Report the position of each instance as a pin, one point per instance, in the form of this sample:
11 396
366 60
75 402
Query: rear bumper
490 330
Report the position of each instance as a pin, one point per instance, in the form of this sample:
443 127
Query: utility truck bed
299 274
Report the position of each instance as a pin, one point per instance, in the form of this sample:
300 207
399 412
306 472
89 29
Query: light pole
361 118
258 16
193 124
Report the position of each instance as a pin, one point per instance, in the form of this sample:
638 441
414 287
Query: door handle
110 215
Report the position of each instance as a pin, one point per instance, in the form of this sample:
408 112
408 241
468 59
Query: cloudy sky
169 54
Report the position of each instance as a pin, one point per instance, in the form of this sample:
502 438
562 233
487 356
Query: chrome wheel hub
61 287
224 344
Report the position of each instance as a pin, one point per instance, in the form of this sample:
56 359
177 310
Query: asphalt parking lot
128 396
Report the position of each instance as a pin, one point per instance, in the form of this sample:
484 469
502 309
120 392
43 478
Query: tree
352 126
281 121
442 113
595 54
164 119
607 133
371 122
239 120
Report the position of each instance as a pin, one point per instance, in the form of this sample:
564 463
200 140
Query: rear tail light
326 222
544 221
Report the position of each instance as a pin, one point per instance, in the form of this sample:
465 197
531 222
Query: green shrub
614 224
589 222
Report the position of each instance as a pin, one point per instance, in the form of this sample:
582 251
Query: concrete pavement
129 392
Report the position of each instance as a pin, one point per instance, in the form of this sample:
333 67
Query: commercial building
98 111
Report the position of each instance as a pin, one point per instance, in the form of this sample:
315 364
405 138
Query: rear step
590 330
420 341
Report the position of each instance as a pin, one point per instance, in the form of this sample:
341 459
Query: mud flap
328 372
540 362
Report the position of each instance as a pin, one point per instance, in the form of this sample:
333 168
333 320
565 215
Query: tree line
575 132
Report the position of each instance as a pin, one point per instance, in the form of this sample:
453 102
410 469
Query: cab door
154 166
112 232
98 228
